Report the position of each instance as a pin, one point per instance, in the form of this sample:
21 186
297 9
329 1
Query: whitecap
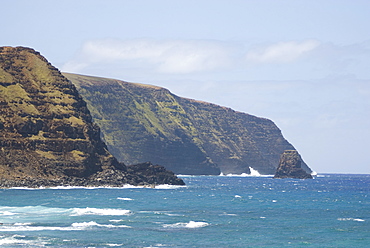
227 214
253 173
7 213
85 225
237 196
99 211
124 199
29 210
168 186
190 224
350 219
20 240
23 224
358 220
116 221
26 228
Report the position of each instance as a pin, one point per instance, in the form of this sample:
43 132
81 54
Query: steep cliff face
290 166
147 123
46 130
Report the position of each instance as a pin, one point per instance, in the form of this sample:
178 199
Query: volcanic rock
290 166
148 123
47 137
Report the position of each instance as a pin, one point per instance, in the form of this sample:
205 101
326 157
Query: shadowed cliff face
44 121
147 123
290 166
46 130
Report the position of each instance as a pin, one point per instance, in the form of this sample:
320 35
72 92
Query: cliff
148 123
47 136
290 166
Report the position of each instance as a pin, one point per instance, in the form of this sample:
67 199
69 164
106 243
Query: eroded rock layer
47 135
290 166
148 123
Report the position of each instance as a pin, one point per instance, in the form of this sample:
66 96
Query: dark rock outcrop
290 166
47 136
148 123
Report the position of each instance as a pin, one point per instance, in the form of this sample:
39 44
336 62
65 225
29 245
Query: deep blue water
329 211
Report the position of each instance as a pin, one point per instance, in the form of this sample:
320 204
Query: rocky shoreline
145 174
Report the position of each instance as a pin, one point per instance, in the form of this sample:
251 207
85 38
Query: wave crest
99 211
190 224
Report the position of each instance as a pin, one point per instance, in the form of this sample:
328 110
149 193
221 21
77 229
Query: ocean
331 210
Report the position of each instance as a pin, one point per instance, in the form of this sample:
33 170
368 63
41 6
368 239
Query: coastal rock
47 137
148 123
290 166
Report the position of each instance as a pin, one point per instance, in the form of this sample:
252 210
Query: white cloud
281 52
149 59
170 56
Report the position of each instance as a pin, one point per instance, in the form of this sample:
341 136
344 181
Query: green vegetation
148 123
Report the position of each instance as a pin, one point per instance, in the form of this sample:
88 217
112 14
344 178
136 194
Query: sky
304 64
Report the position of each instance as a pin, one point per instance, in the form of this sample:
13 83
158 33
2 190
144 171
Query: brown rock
290 166
47 136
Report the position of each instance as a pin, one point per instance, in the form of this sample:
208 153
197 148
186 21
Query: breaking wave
350 219
254 173
124 199
93 223
190 224
99 211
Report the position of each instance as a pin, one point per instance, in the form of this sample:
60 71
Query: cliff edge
47 137
148 123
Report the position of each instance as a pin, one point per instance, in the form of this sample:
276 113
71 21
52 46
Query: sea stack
47 137
290 166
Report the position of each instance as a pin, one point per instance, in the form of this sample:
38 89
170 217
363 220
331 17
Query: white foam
116 221
124 199
237 196
23 224
155 246
25 188
29 210
25 227
350 219
125 186
167 186
7 213
190 224
254 173
85 225
226 214
99 211
19 240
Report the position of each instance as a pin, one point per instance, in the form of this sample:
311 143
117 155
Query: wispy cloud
170 56
143 59
282 52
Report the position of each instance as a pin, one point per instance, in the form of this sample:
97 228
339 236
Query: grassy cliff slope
148 123
47 136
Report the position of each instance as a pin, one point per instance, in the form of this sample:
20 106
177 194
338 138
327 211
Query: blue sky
303 64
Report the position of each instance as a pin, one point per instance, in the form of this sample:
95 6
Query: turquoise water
329 211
